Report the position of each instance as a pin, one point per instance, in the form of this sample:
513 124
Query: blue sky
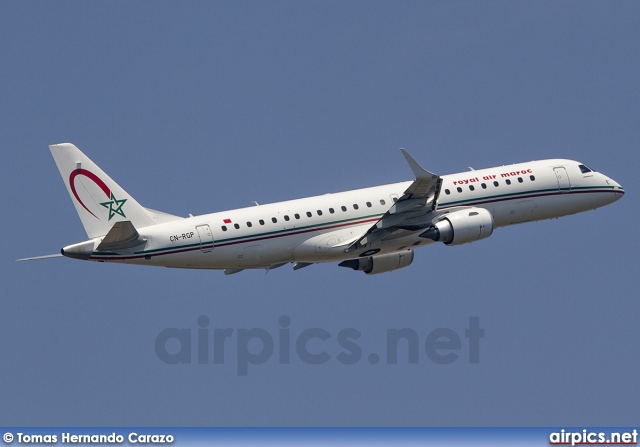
205 106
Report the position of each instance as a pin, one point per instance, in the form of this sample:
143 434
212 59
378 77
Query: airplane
373 230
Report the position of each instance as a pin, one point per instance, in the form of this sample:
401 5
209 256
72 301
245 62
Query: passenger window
507 181
520 180
343 208
309 214
224 228
447 192
319 212
471 187
496 183
249 224
532 177
274 220
236 226
355 206
382 202
286 218
261 222
296 215
369 204
459 189
331 210
484 186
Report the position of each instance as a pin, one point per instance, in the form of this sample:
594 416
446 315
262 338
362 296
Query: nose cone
618 191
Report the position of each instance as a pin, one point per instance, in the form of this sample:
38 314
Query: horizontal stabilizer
35 258
122 235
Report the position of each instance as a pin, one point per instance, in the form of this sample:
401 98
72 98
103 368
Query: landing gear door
563 179
206 238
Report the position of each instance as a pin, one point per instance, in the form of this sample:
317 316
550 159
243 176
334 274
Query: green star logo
115 206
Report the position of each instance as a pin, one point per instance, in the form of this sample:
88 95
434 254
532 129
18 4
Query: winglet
418 171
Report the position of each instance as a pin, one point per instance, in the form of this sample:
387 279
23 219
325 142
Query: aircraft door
563 179
206 238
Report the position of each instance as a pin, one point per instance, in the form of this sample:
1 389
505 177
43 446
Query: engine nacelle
372 265
461 227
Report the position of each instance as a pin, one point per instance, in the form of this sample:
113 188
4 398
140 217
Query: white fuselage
318 229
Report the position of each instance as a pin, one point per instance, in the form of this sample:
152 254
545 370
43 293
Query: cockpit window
584 169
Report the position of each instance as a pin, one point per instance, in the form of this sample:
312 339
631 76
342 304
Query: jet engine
372 265
461 227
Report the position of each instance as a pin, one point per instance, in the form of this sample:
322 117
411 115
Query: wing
411 212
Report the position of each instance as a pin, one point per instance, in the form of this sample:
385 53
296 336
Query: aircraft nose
617 189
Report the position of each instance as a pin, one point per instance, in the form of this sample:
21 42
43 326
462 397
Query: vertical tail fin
99 201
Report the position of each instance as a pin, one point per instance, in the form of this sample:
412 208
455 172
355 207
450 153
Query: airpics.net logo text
205 345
